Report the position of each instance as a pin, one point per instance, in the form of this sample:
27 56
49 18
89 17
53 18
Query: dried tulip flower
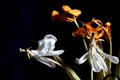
45 50
98 31
106 28
67 15
96 57
89 31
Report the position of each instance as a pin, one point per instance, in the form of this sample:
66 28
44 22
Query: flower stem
91 74
71 73
75 21
86 48
110 51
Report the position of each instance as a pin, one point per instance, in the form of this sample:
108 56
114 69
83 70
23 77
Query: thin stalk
86 48
110 51
91 74
75 21
71 73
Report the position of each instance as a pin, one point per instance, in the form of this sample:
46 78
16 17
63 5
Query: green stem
86 48
71 73
91 74
75 21
110 51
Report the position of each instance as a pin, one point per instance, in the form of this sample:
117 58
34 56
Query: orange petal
66 8
75 12
99 35
80 32
108 31
55 15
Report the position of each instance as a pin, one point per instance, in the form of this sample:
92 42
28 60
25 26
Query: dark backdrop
23 22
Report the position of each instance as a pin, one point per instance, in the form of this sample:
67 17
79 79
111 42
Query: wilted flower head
68 14
105 27
46 49
96 56
95 27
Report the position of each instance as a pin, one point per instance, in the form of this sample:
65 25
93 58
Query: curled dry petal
106 28
98 35
107 31
80 32
82 59
97 31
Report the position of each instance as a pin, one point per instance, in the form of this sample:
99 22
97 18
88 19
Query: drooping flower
95 27
67 15
96 56
105 27
45 50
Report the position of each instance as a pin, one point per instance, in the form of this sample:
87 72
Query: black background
24 22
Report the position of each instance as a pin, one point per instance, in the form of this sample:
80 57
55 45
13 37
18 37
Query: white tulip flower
96 57
45 50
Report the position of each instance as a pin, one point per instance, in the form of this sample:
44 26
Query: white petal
82 59
55 53
113 59
37 53
50 38
101 62
47 44
47 61
96 61
93 59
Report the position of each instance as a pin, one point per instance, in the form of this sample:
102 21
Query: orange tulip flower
68 15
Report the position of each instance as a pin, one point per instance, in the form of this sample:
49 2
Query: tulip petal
94 64
82 59
47 61
97 61
113 59
55 53
47 44
50 38
93 58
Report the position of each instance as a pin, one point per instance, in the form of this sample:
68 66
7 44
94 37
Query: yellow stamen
28 56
